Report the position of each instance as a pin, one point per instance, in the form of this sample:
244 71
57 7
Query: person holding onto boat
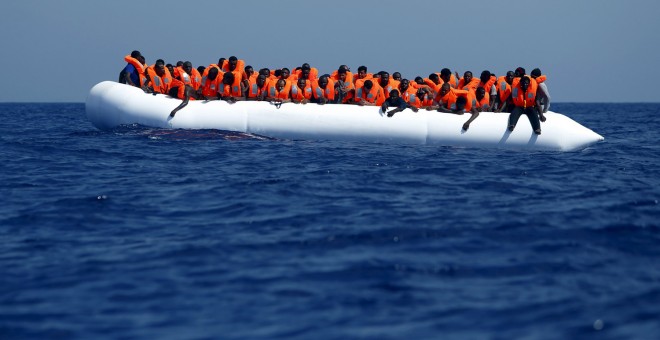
502 102
180 90
189 75
278 92
301 92
231 89
525 103
542 93
395 100
323 90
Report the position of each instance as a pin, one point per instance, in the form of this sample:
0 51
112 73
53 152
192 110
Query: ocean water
141 233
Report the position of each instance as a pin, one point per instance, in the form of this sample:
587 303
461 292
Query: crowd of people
230 79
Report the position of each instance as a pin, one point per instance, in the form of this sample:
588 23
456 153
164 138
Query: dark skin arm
186 98
475 114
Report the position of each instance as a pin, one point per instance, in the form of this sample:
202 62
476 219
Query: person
369 93
361 76
468 82
279 92
542 93
447 77
525 102
396 76
387 83
231 90
307 72
342 69
433 82
409 93
249 73
190 76
323 90
481 101
394 100
344 88
130 74
487 81
301 92
182 91
451 100
160 79
210 85
257 88
502 102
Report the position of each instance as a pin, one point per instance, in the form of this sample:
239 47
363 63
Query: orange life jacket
358 82
374 96
159 84
483 103
194 79
335 76
206 70
410 97
453 82
327 93
426 100
471 86
449 99
391 85
541 78
181 88
233 90
527 99
254 91
240 65
435 87
210 87
138 67
348 86
313 74
274 93
503 89
488 85
298 94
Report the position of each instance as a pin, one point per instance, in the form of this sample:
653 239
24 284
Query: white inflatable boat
111 104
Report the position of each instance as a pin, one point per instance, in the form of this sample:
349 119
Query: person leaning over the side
394 100
525 102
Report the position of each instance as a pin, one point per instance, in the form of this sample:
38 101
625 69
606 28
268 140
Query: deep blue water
142 233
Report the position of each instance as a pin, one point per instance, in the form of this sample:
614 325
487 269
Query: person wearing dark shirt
395 100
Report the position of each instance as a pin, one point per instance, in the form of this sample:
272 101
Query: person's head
434 78
343 68
524 83
520 72
445 89
362 72
467 76
221 61
141 59
280 84
368 84
228 78
304 72
305 66
170 68
179 63
159 67
485 76
394 94
261 80
213 73
233 62
404 84
509 77
201 69
187 66
535 73
302 83
277 73
384 77
284 73
419 80
135 54
396 76
481 93
265 72
323 81
249 70
341 74
445 75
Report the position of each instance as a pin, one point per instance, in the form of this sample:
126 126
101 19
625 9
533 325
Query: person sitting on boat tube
257 88
394 100
451 100
323 90
190 76
526 103
542 93
502 102
344 88
159 78
210 86
232 88
278 92
369 93
301 92
133 71
408 93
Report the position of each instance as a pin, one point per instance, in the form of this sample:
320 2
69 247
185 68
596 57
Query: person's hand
172 113
466 126
414 109
542 117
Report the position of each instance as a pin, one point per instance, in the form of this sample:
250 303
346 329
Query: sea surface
142 233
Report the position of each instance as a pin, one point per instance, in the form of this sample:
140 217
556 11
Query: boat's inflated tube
111 104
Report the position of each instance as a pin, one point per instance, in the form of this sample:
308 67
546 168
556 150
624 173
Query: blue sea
142 233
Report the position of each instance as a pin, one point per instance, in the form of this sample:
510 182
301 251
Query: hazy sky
591 50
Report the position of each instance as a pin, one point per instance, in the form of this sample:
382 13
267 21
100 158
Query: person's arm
545 103
475 114
186 97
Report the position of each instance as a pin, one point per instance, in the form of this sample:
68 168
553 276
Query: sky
590 50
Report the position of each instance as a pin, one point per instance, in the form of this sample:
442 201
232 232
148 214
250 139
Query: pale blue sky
591 50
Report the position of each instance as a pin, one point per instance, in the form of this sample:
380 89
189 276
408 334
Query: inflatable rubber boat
111 104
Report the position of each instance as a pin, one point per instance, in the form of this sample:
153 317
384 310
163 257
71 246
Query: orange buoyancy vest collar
194 80
158 83
274 93
375 95
524 99
349 76
471 86
503 89
410 97
206 70
254 90
449 99
483 103
541 78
